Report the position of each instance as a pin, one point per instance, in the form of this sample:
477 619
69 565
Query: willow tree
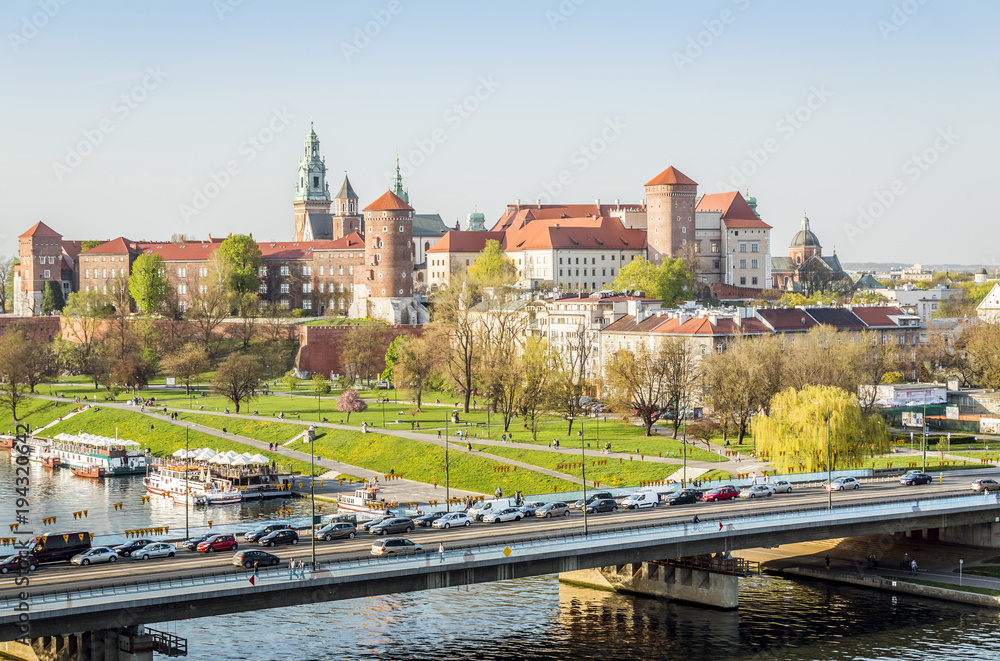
794 434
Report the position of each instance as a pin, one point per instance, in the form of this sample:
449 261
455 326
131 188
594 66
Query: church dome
805 238
981 271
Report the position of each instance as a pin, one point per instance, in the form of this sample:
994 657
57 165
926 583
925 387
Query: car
366 526
426 520
53 546
192 544
578 505
550 510
985 485
218 543
18 562
126 550
255 535
479 510
757 491
155 550
94 556
781 486
684 497
396 546
393 525
601 505
279 537
247 558
504 515
453 520
915 477
641 499
336 531
529 509
727 492
842 484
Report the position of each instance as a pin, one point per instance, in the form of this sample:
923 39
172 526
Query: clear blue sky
703 86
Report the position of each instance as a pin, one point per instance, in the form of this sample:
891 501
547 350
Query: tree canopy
669 281
793 436
148 282
244 258
237 379
492 267
349 402
52 297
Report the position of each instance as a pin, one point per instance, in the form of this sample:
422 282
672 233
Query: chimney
518 204
617 202
538 202
682 319
598 203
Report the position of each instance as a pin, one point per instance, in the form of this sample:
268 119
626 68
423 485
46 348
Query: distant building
989 309
921 302
806 269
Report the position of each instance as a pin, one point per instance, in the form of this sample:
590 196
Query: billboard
951 413
913 419
989 425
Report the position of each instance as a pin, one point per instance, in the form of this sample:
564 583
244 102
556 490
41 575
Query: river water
534 618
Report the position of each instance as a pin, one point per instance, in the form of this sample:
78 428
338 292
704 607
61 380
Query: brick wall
321 347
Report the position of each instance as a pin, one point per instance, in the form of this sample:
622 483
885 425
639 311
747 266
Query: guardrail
533 545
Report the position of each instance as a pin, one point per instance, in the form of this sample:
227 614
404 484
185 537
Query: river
533 618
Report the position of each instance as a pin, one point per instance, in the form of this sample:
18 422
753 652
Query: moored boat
219 485
84 451
51 461
7 442
94 472
363 500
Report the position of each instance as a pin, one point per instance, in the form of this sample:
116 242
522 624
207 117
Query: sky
876 118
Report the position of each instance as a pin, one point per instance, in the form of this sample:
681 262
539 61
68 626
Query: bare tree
15 350
415 366
237 379
742 381
638 382
212 304
569 382
364 351
6 277
454 318
539 371
187 364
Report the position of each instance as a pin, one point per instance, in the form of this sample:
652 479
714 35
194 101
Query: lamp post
829 459
187 489
312 493
583 456
447 481
319 410
383 411
923 421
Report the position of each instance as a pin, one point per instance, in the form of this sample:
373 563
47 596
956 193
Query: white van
641 499
490 506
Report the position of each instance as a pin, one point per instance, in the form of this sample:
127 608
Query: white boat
363 500
210 498
95 456
218 485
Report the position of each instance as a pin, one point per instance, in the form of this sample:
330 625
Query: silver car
552 509
94 556
781 486
155 550
507 514
453 520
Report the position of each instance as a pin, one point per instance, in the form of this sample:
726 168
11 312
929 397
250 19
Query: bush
299 312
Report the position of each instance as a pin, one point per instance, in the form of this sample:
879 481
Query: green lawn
163 439
38 412
262 430
947 586
424 462
614 473
992 572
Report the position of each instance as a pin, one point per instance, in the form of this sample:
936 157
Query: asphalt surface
63 576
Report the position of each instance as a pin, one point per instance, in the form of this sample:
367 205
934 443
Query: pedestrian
696 519
441 550
255 563
470 446
291 568
913 567
869 561
439 433
827 562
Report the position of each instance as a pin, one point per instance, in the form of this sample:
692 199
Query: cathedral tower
312 194
346 218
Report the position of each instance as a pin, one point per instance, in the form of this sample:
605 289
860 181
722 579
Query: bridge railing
460 556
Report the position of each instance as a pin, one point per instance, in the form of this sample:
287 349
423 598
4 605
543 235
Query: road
58 577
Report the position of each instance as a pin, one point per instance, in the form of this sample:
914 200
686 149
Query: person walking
291 569
827 562
913 567
441 550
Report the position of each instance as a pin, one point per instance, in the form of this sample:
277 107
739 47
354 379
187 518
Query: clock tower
312 195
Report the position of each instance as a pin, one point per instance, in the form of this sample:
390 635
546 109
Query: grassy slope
614 474
424 462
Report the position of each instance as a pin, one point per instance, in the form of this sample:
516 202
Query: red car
727 492
218 543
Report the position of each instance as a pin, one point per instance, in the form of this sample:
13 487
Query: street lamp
583 456
447 481
829 460
923 421
187 489
312 492
383 411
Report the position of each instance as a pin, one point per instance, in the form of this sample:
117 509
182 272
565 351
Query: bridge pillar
983 535
100 645
666 580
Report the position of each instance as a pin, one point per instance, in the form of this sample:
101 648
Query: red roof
877 315
575 233
671 176
202 250
465 241
386 202
116 246
40 229
518 216
735 210
786 319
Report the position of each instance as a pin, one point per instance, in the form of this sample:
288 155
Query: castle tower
670 203
346 218
477 221
312 194
383 286
40 252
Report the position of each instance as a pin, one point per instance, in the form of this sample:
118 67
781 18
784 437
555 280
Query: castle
349 261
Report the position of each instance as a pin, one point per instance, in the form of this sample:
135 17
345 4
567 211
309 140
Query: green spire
397 185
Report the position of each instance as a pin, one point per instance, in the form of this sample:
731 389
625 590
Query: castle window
753 280
307 288
202 289
86 273
284 270
341 269
321 269
203 272
307 304
743 281
612 273
182 306
743 263
285 304
350 269
754 246
182 289
306 270
261 271
315 182
47 274
753 263
182 272
743 246
263 288
400 291
284 288
104 273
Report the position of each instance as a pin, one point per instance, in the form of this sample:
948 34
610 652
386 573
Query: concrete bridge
618 553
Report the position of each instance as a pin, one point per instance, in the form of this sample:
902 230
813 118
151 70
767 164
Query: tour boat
210 498
94 471
363 500
219 485
84 452
51 461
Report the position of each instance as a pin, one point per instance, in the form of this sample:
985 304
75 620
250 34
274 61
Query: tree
415 367
681 377
40 362
237 379
391 358
638 276
291 382
870 297
538 370
211 305
569 378
794 435
121 337
453 317
349 402
669 281
274 322
982 348
186 364
15 350
319 384
86 313
248 309
52 297
6 279
638 382
742 380
244 258
148 283
131 374
493 266
364 349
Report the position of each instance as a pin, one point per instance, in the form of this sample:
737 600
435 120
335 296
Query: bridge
616 549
